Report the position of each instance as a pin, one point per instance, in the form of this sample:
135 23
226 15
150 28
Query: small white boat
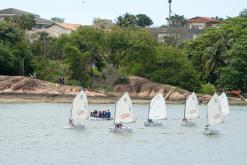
79 111
123 115
214 116
191 111
157 111
224 104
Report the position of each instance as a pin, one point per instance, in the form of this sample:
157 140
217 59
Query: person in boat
185 120
119 125
100 114
95 113
71 122
108 114
103 114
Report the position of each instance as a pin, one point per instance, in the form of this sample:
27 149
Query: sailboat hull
147 124
211 132
99 119
121 130
75 126
188 123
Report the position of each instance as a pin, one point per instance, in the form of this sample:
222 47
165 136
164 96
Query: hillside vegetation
98 59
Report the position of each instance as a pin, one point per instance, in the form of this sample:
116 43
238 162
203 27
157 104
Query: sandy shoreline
67 98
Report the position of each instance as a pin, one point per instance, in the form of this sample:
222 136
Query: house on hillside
177 34
62 28
102 23
202 22
10 12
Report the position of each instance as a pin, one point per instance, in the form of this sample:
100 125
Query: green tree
143 20
177 21
57 19
171 66
14 51
127 20
216 52
243 13
25 22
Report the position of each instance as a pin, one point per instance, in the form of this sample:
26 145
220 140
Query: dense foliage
128 20
220 54
96 58
15 52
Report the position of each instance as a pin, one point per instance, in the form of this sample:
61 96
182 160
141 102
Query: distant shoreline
68 98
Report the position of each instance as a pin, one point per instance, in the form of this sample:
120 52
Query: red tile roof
202 20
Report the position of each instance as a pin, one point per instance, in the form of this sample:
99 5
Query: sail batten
79 111
124 110
214 111
191 107
157 109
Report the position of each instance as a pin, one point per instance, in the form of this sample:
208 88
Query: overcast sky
84 11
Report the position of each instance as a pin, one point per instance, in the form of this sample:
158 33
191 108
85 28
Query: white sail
191 107
214 111
124 111
79 110
224 104
157 109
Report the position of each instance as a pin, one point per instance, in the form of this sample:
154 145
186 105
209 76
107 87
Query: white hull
99 119
75 126
211 132
121 130
188 123
147 124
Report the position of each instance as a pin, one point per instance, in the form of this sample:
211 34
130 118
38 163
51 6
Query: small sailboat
123 114
224 104
214 115
191 110
79 110
157 110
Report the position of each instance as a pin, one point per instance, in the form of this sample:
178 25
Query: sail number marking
217 116
125 115
80 112
192 111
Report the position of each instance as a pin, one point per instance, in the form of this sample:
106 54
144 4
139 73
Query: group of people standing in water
100 114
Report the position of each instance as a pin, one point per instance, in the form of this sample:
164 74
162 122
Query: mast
115 114
149 108
185 108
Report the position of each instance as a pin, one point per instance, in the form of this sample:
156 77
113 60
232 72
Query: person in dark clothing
95 113
100 114
119 125
108 114
71 122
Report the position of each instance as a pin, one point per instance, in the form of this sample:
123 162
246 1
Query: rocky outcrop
24 85
139 87
28 89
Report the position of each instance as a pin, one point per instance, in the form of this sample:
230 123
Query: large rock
143 88
25 85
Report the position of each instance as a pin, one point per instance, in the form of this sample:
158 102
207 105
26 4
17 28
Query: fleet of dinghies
124 114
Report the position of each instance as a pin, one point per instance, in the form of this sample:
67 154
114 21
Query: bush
73 83
208 89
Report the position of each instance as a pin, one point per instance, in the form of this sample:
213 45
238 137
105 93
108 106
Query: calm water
34 134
